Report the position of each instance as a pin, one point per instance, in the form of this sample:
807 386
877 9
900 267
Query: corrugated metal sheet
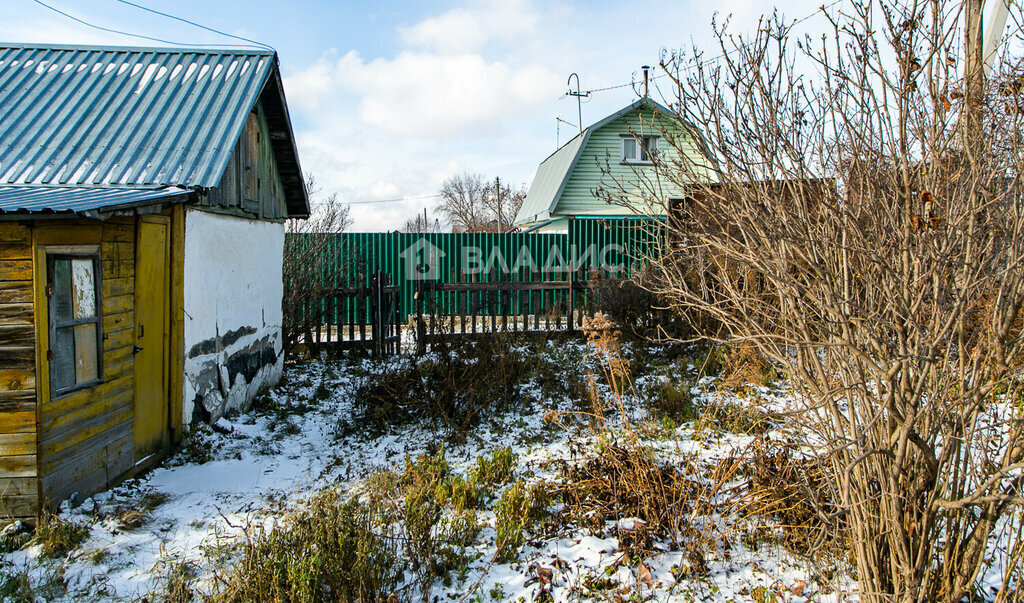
24 199
133 117
547 185
587 245
560 189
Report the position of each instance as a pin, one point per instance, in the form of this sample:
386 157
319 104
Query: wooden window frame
52 323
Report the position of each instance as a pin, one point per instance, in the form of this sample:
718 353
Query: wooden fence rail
446 310
356 318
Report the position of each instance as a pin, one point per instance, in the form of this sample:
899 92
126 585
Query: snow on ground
251 467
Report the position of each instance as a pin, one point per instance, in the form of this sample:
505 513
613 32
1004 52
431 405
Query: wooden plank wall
86 439
229 194
19 485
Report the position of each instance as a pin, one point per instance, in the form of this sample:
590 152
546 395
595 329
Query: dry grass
792 494
331 550
57 536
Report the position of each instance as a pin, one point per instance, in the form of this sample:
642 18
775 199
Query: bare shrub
621 480
455 387
857 216
311 262
631 305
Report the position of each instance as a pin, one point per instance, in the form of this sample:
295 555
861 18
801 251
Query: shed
613 154
143 193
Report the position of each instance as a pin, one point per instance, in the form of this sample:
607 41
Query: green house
611 158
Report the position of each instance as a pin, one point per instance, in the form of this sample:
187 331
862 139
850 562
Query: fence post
572 293
421 325
375 326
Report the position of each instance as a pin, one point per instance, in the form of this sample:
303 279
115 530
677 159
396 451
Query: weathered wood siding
19 485
85 437
257 192
603 154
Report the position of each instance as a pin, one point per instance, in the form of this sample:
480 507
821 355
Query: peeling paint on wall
233 291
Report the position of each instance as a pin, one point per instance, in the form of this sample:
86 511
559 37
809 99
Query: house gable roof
550 180
136 117
554 172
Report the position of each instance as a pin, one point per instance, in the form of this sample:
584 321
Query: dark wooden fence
452 310
364 318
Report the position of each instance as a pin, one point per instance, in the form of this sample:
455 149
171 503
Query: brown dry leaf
643 574
798 588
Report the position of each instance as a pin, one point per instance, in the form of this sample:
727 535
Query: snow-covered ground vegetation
559 470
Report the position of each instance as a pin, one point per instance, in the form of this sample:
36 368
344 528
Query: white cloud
455 96
470 28
430 95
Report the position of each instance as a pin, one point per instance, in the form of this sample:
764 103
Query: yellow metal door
152 298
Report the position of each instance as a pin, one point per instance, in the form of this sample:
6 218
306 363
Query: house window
74 294
639 149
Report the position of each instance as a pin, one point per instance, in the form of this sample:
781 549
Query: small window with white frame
638 149
75 355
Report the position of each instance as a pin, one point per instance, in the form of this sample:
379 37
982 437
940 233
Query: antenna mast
578 95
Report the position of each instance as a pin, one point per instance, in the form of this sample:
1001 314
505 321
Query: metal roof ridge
125 187
198 49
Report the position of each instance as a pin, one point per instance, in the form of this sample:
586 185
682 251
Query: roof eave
282 140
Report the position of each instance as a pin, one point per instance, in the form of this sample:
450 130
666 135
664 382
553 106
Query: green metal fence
613 246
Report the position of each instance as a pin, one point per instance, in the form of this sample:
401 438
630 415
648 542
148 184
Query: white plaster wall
233 290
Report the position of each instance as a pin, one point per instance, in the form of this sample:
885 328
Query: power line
376 201
200 26
125 33
688 68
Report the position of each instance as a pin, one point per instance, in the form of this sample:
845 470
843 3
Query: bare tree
502 203
462 202
421 223
469 204
311 261
848 221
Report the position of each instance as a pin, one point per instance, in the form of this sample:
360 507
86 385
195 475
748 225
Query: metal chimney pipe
646 68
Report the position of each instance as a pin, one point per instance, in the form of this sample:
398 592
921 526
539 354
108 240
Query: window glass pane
62 293
85 353
650 147
83 283
63 365
628 149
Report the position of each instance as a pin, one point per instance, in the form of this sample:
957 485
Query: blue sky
388 99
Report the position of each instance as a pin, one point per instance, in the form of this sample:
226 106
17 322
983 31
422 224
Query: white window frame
643 145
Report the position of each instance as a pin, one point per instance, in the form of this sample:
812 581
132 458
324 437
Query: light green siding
599 166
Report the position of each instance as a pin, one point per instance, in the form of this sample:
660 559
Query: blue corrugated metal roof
132 117
26 199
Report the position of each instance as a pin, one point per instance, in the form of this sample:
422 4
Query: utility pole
424 219
497 198
974 73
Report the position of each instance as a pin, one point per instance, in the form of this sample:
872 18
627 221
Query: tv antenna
578 95
558 123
